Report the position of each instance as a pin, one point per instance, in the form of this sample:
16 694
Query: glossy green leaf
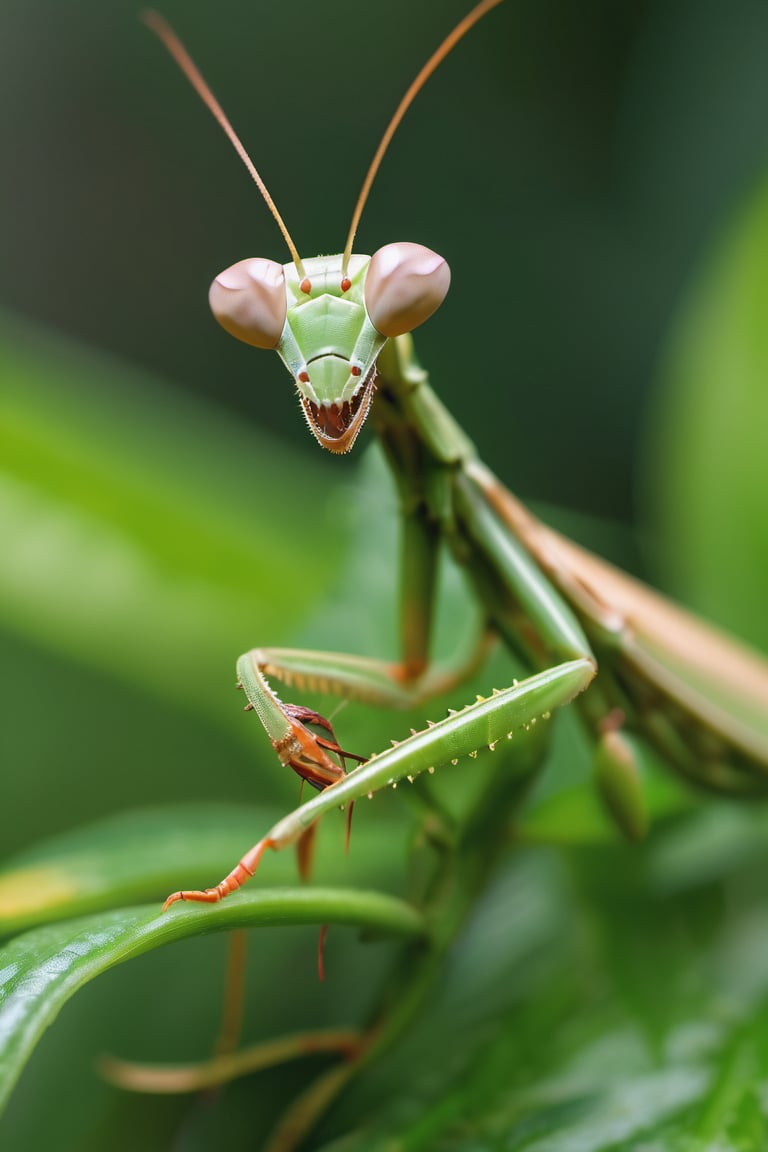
587 1010
151 852
40 970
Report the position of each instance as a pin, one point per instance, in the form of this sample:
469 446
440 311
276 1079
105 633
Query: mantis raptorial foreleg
479 725
440 493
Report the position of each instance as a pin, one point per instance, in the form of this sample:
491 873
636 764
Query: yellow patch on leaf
33 890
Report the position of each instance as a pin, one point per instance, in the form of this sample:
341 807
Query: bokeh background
163 506
572 162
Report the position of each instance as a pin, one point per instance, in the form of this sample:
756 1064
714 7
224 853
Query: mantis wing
711 685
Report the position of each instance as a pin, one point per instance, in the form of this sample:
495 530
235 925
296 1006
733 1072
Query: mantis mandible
657 677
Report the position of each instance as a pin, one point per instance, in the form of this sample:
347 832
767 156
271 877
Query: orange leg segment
239 875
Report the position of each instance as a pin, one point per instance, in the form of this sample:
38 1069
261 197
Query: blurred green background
162 506
577 158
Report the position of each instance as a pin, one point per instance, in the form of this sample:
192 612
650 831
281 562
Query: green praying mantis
646 676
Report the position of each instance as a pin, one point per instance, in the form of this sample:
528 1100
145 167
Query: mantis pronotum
656 677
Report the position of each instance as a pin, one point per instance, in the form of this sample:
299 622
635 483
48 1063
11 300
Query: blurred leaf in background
708 478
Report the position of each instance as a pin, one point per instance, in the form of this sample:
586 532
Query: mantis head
329 325
328 318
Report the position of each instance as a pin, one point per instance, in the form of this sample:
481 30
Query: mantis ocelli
644 673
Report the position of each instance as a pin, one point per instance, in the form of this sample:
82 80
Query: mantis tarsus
656 676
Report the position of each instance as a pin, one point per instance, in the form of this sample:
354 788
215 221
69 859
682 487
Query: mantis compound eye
249 301
405 284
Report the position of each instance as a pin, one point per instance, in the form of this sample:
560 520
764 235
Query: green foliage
43 969
586 996
709 478
124 509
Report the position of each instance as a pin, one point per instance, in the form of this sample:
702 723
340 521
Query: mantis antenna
168 37
431 65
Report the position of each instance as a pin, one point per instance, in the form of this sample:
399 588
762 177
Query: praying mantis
647 677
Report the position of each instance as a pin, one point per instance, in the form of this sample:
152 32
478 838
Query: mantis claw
306 752
315 766
315 755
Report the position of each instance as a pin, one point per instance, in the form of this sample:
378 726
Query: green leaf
40 970
149 853
585 1009
706 452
